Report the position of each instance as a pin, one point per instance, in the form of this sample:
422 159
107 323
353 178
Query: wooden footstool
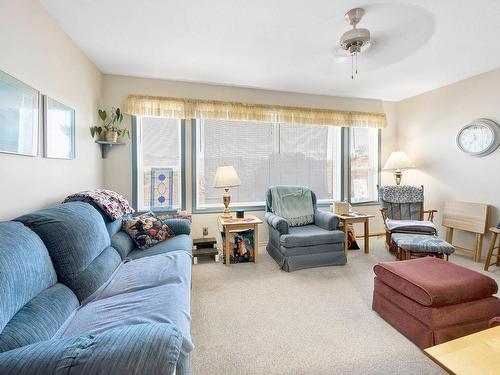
420 245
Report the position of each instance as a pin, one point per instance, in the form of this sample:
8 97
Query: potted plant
110 128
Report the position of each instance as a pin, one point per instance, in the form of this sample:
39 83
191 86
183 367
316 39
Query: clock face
476 138
479 138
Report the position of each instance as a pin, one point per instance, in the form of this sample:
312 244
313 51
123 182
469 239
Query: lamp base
398 175
226 198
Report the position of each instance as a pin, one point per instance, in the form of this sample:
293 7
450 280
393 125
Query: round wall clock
479 138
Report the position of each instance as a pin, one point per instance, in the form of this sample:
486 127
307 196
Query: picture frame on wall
59 129
19 116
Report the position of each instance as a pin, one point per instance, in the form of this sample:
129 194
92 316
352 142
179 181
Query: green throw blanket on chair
294 204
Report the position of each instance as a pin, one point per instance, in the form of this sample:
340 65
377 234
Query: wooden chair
404 211
494 232
469 217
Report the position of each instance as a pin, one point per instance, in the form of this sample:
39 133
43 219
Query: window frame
348 168
135 182
345 174
345 171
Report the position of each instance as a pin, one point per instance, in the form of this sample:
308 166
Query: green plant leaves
115 117
102 114
95 130
124 132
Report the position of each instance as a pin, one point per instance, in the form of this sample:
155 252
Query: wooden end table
472 354
351 218
233 224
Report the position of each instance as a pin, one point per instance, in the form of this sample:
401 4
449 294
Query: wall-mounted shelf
106 146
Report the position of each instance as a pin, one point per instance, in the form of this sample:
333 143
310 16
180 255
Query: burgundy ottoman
432 301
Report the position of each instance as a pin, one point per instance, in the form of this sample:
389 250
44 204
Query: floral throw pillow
147 230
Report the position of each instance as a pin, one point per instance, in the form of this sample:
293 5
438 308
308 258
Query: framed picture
241 246
59 129
19 117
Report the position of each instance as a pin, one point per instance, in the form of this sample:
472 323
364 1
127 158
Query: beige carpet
257 319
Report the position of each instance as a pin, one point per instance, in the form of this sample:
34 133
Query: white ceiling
287 45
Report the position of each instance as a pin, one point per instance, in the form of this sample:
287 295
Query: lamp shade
226 176
398 160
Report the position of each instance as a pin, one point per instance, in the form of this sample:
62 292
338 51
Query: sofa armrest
179 226
277 222
326 220
128 350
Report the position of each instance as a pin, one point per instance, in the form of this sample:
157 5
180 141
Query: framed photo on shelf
59 129
19 117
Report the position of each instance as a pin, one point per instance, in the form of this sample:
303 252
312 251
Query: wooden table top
354 215
478 353
248 219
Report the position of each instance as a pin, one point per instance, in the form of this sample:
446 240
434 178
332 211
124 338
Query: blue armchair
313 245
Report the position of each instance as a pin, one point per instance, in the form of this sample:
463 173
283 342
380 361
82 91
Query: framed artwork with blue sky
59 129
19 116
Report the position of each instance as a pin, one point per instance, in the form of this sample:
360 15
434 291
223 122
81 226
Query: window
266 154
158 169
364 164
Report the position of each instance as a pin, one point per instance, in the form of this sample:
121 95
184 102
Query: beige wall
36 51
427 126
118 164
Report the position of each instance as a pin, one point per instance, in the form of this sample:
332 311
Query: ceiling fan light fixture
355 40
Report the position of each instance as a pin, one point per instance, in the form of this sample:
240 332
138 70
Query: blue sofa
78 298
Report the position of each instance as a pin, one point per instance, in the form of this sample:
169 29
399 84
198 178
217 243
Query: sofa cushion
25 269
435 282
309 235
40 318
32 305
181 242
122 243
149 290
178 225
420 226
113 226
131 350
78 243
422 243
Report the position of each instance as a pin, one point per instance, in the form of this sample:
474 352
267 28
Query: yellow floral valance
220 110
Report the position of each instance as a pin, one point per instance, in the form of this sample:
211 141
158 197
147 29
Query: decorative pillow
147 230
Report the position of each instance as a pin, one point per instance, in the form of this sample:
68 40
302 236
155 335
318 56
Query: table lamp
226 177
398 160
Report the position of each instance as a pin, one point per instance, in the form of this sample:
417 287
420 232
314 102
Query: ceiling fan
355 40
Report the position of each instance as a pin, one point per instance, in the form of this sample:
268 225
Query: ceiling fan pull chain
352 67
356 63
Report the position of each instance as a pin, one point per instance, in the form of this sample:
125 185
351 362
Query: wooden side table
355 217
494 232
472 354
233 224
